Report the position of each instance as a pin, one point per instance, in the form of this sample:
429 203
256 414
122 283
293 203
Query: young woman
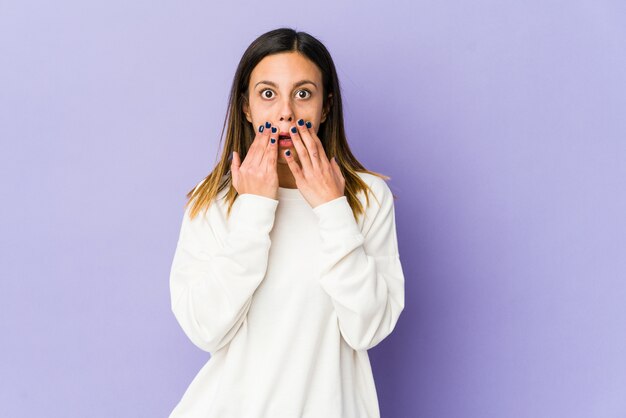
290 273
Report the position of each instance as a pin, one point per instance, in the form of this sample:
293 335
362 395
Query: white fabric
287 299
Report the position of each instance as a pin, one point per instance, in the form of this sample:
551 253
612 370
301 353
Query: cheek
259 110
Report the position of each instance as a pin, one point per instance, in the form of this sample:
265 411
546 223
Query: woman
290 274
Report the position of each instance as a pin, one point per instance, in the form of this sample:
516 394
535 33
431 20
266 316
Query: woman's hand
257 174
319 180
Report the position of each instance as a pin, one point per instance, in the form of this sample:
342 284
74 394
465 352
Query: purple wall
502 125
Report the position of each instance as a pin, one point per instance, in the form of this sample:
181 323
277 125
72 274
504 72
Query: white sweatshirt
287 299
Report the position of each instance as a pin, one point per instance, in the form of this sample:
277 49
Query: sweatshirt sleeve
214 274
361 270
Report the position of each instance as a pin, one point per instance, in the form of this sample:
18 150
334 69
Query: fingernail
274 129
261 128
294 129
309 124
287 153
301 122
267 124
273 140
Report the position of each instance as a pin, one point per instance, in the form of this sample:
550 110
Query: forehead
285 68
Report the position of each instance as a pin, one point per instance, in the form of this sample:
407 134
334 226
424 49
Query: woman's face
283 88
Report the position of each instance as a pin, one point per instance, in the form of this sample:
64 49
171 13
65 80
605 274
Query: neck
285 177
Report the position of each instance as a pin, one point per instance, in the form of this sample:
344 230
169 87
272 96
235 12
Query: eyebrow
296 84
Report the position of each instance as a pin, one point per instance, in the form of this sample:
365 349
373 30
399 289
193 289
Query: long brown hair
240 133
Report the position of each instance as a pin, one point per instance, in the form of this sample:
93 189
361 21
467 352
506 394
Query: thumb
235 164
235 160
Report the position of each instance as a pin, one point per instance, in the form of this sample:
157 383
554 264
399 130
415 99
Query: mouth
284 139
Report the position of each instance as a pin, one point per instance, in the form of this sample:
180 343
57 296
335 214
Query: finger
257 149
339 173
269 156
293 166
335 166
234 159
301 149
255 140
318 142
234 167
311 145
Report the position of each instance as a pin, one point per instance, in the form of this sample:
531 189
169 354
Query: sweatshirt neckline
289 194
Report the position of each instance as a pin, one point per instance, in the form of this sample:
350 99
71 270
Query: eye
265 95
305 90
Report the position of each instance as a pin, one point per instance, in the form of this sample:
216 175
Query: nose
286 112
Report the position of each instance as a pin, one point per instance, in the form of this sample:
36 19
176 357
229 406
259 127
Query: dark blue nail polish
287 153
309 124
274 129
261 128
267 124
273 140
301 122
294 130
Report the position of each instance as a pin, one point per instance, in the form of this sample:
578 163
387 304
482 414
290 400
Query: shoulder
379 188
220 197
378 207
221 214
214 211
210 224
377 223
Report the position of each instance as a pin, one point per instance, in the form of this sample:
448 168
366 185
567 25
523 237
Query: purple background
502 125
